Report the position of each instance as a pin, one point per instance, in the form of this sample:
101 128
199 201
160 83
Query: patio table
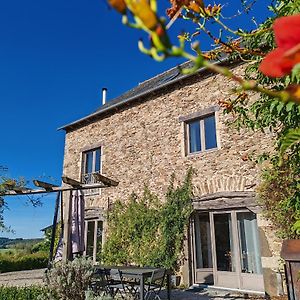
140 273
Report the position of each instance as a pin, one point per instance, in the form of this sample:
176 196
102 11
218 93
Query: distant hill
8 243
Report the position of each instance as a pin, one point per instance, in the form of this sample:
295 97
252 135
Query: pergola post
67 226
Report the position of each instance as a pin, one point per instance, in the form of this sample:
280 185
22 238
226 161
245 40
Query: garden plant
145 231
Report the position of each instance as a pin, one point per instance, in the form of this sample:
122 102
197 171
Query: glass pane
224 242
89 162
249 243
203 241
90 238
98 160
210 132
99 238
194 138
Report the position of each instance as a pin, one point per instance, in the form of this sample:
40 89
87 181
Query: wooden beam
57 189
70 181
217 195
107 181
21 189
45 185
67 227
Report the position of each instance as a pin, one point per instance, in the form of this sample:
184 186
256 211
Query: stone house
164 125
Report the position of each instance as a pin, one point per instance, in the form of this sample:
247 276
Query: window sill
199 153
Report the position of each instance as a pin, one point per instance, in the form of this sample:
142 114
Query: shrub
279 195
22 293
19 261
89 295
70 280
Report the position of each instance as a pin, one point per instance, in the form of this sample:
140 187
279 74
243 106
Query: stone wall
143 144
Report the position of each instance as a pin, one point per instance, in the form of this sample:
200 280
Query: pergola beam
70 181
55 189
72 184
105 180
45 185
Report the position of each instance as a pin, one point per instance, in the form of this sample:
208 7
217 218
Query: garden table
140 273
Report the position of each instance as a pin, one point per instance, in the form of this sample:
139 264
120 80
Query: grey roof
153 84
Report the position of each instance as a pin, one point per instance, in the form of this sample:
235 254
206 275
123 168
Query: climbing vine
146 231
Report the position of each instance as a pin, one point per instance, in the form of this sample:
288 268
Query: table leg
169 286
142 288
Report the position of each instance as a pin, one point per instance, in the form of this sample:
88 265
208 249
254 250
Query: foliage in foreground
40 293
148 232
70 280
22 293
10 262
280 197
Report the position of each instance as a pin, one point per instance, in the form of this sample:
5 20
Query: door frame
199 272
236 279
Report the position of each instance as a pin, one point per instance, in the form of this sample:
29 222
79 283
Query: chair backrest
99 279
158 275
115 274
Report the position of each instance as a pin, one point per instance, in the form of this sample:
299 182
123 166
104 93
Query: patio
35 277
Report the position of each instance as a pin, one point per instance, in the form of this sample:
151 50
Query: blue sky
55 57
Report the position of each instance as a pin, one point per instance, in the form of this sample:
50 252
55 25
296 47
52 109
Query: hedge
10 263
21 293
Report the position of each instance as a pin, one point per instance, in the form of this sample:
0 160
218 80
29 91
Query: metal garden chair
116 284
153 286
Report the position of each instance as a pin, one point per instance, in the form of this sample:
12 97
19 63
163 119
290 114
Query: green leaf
296 227
296 73
280 107
273 105
291 138
290 106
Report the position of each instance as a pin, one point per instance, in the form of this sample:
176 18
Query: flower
294 91
118 5
281 60
142 10
194 5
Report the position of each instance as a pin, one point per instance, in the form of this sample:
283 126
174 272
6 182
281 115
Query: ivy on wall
146 231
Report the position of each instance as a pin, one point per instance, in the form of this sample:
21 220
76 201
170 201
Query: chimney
104 91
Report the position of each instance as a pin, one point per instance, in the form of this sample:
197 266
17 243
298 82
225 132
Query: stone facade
143 143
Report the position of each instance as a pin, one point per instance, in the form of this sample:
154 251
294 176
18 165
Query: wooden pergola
66 189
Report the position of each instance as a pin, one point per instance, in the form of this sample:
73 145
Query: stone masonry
143 144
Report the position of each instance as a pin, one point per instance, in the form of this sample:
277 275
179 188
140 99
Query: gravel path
22 278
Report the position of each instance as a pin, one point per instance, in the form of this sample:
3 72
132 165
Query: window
201 134
94 233
91 163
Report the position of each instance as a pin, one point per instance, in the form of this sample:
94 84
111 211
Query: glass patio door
225 253
251 269
226 250
203 251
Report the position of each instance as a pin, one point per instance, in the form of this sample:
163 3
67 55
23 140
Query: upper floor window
202 134
91 163
200 131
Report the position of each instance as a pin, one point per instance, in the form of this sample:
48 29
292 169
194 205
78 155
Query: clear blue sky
55 57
